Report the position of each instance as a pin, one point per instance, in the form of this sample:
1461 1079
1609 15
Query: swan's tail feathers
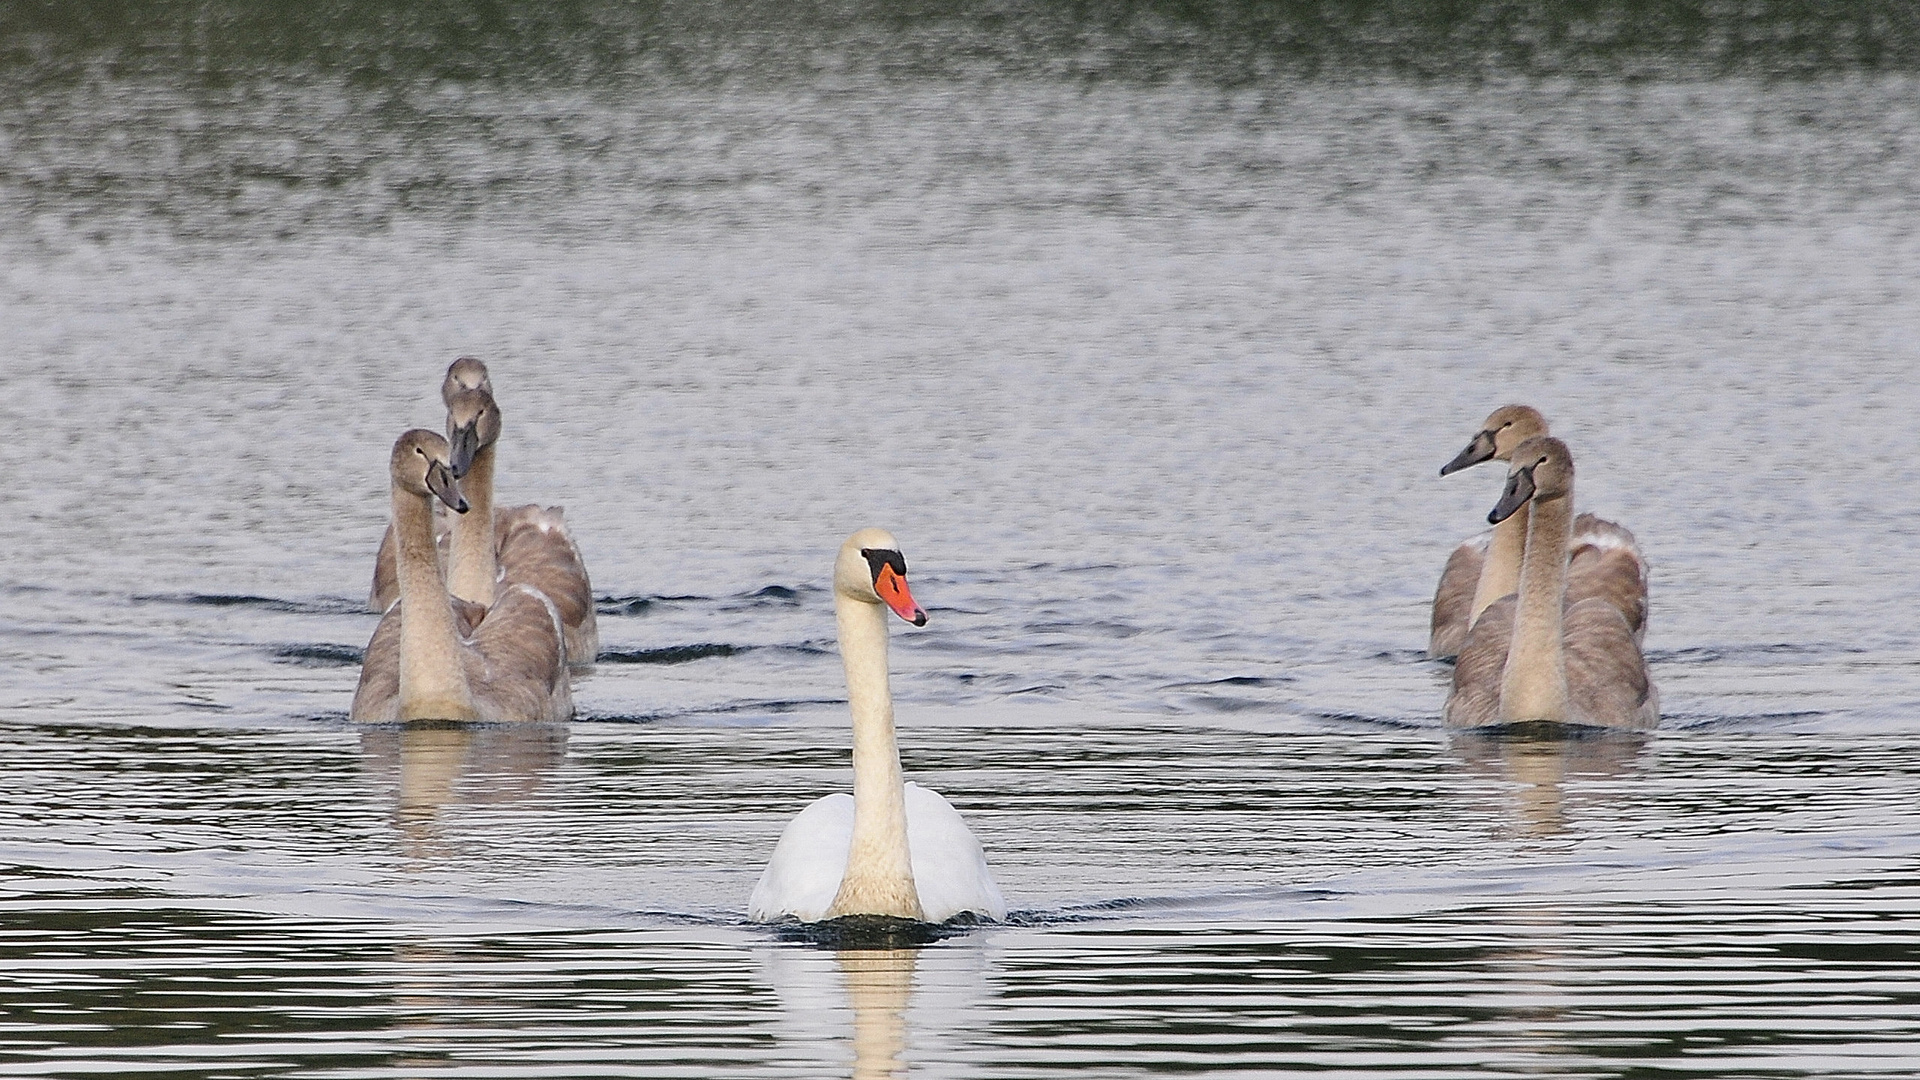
1599 532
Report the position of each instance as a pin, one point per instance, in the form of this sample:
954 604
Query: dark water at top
1145 328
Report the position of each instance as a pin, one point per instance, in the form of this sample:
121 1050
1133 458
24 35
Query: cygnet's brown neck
1500 570
471 570
433 683
1534 686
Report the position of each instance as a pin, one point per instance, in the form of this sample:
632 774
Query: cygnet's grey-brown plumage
526 546
1606 562
420 665
535 548
490 549
1539 655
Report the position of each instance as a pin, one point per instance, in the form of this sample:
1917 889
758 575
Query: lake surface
1146 334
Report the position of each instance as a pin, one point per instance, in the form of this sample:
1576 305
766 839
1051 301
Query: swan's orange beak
892 588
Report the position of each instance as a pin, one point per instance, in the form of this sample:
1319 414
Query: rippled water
1147 340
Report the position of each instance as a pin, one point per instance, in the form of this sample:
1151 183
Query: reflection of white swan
419 666
891 848
879 982
1534 657
1606 563
876 1012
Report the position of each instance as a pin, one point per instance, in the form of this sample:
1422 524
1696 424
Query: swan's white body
949 867
891 848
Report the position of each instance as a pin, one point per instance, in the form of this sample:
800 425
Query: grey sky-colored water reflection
1146 340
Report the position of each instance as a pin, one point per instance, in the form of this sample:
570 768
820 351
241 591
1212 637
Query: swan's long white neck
471 572
433 683
879 876
1534 686
1500 570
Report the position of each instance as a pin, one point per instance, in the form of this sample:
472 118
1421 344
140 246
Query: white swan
419 665
1535 656
890 849
490 550
1606 561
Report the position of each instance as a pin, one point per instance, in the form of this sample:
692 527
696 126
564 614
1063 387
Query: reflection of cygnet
426 764
1539 770
430 763
891 849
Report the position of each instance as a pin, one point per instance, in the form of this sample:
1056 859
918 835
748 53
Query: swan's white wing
949 869
804 874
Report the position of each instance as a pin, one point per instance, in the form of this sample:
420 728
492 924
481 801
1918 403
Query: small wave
1103 627
672 654
202 705
334 606
1392 722
776 706
1712 654
1228 704
637 604
1082 568
622 605
318 655
1410 656
1121 906
785 595
1548 731
1707 722
1234 680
